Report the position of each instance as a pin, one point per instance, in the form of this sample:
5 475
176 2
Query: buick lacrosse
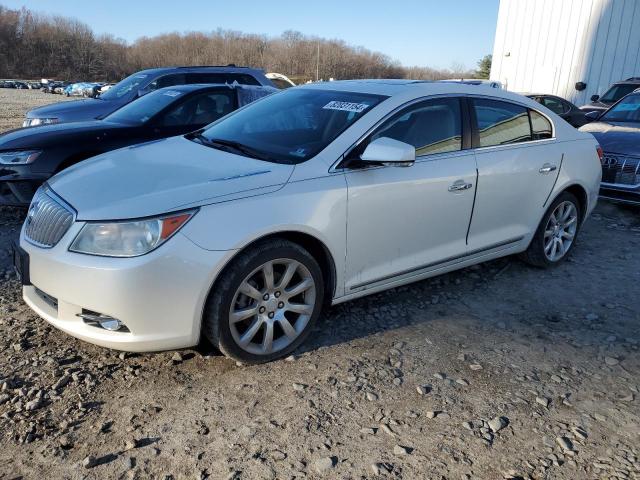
242 231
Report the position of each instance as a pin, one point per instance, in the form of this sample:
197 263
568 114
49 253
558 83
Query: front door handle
460 185
547 168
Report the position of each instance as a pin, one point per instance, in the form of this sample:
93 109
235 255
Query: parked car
612 95
476 81
20 85
280 81
139 84
318 194
618 131
561 107
29 156
7 84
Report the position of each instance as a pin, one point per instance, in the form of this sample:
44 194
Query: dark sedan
29 156
138 85
563 108
618 132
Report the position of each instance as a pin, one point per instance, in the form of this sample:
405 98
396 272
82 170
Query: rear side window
501 123
540 126
432 127
212 77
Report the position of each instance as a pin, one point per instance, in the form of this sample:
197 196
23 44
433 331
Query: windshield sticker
301 152
346 106
172 93
141 76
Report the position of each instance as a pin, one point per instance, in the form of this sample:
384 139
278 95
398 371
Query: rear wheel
556 234
265 303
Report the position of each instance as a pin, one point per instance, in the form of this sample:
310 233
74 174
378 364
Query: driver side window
433 126
200 109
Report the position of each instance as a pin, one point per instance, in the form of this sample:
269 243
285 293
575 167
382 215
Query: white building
547 46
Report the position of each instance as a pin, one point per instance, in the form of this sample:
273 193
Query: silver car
320 194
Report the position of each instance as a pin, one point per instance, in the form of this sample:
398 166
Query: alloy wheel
560 231
272 306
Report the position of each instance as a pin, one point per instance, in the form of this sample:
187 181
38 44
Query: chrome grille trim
48 219
620 170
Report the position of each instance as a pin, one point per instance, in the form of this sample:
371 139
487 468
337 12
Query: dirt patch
14 104
496 371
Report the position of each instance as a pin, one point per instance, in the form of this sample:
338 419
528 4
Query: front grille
620 169
48 220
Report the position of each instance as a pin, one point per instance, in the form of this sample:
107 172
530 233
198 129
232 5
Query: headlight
130 238
32 122
19 157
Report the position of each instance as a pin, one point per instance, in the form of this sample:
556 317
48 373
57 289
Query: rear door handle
547 168
460 185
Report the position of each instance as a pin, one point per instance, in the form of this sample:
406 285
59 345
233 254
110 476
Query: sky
433 33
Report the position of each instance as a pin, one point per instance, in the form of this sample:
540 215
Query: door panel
512 191
400 219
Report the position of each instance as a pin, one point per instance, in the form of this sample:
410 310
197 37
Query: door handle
460 185
547 168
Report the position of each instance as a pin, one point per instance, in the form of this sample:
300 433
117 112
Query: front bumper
18 190
159 297
629 195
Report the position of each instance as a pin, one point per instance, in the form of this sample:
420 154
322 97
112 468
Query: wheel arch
316 247
579 192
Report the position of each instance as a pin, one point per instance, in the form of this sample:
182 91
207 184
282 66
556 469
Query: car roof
220 68
393 87
192 87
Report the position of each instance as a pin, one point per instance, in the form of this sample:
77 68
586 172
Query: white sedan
244 230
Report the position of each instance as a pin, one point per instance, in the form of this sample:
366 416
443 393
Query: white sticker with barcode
346 106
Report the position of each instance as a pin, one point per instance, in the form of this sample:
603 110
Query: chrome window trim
334 169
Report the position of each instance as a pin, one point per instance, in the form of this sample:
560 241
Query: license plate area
21 264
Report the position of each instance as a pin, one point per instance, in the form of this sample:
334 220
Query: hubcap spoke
303 286
300 308
267 342
267 271
251 332
243 314
288 329
288 275
250 291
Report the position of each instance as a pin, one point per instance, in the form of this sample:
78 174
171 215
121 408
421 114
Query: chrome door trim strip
438 264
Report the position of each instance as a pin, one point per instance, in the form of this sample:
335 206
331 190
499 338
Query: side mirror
592 116
595 98
389 152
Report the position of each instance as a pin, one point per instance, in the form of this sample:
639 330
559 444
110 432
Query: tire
536 254
259 314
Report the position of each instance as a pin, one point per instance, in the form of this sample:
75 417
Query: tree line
41 46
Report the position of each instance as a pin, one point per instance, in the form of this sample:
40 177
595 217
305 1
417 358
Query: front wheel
556 234
265 302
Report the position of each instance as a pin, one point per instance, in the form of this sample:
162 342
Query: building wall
546 46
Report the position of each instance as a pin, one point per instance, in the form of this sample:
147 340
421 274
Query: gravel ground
15 103
496 371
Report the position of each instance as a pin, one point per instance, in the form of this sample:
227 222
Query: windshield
130 84
142 109
627 110
616 92
294 125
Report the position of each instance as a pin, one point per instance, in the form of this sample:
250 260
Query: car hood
163 176
76 110
623 138
42 136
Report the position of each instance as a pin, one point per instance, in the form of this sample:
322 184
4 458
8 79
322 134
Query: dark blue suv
139 84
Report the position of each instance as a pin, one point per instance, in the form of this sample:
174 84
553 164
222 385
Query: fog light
111 324
102 321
